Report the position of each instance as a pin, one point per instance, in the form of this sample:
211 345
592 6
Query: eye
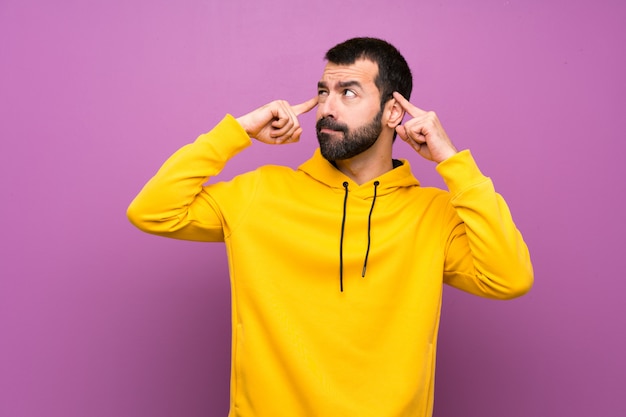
349 93
322 92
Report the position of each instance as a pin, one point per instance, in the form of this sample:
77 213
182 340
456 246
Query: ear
395 113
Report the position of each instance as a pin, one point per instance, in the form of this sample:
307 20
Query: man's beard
351 143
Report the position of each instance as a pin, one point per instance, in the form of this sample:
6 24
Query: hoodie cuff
227 138
460 172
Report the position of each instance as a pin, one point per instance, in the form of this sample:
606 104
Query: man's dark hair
394 73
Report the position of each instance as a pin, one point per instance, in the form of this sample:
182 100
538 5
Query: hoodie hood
323 171
326 173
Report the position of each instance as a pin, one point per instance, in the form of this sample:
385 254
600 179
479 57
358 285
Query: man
337 267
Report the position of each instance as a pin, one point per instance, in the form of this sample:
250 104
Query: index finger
307 106
407 106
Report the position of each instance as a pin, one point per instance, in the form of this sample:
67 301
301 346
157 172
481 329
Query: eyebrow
346 84
341 84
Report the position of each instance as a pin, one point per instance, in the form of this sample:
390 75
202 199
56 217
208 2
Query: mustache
332 124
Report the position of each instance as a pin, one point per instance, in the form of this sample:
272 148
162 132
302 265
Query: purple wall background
98 319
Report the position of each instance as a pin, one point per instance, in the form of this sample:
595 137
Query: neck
368 165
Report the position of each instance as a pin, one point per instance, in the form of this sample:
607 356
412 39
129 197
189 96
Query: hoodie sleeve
485 252
174 203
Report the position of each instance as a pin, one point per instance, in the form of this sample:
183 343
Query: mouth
330 127
329 131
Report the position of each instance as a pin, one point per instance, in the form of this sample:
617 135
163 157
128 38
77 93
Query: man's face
348 112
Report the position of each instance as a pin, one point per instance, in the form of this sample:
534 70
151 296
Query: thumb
401 130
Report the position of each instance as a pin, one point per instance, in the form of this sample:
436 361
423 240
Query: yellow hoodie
311 335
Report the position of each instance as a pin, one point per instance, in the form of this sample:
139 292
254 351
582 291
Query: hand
276 122
424 132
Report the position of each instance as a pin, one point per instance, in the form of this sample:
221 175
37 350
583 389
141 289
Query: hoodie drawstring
343 226
369 229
